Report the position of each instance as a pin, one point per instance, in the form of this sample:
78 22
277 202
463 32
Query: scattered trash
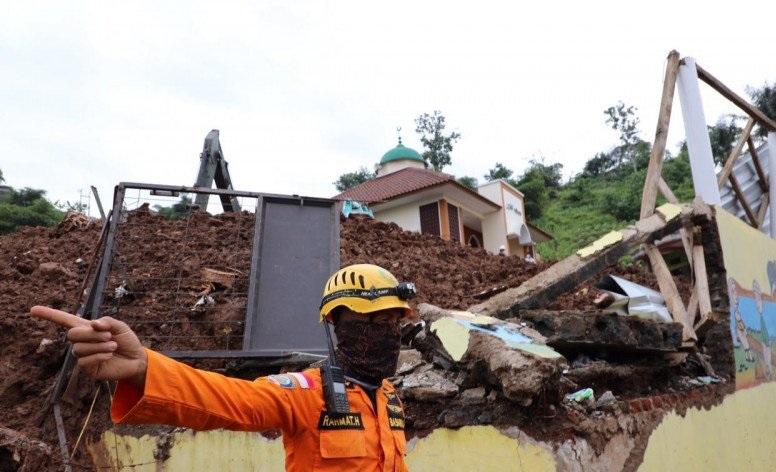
634 299
43 344
352 207
204 300
581 396
707 379
121 291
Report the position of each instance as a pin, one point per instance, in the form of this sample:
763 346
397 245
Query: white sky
102 92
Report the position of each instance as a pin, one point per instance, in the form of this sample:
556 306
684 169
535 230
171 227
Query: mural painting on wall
750 262
753 326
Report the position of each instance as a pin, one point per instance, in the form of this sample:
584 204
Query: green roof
401 152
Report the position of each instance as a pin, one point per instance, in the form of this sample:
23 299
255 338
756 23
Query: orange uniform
367 439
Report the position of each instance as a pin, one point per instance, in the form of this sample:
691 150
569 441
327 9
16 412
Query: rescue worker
364 302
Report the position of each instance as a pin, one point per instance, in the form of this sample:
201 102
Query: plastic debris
581 396
352 207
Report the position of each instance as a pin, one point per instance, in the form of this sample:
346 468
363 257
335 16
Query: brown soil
447 274
158 263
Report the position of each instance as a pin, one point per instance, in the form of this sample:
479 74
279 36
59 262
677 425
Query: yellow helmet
365 288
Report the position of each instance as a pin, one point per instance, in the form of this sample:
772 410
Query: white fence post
704 177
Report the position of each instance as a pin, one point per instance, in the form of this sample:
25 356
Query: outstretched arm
154 389
107 349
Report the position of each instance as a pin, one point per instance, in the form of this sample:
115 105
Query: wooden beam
701 282
669 291
764 203
733 157
747 107
687 235
666 191
742 200
762 179
566 275
692 305
654 170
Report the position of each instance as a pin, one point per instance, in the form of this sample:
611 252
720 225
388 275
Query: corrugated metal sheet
745 172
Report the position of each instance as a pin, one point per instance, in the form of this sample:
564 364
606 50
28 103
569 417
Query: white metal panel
698 144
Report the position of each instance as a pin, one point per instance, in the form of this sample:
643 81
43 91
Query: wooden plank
666 191
764 202
762 179
654 170
567 274
747 107
701 282
669 291
692 305
742 200
727 169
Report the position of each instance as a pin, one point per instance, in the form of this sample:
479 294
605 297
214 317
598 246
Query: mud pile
447 274
162 285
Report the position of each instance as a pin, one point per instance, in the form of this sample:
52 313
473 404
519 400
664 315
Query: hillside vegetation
589 206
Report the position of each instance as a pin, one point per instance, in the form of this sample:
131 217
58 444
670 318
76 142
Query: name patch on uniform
340 421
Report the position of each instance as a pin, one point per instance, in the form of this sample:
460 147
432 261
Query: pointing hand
107 349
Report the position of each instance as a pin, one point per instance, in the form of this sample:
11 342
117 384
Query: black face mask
368 351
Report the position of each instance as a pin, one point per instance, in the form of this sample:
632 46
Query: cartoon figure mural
740 336
750 262
751 313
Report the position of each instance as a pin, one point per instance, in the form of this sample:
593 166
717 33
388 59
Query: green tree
178 210
551 174
1 176
601 164
764 98
538 184
27 207
351 179
535 194
467 181
438 145
622 118
499 171
723 136
26 196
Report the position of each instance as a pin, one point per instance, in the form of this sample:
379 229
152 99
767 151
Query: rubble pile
468 369
181 284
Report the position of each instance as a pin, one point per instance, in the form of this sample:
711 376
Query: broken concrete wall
731 435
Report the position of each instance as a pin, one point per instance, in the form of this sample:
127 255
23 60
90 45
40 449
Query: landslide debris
164 277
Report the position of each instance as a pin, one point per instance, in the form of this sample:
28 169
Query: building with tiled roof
416 198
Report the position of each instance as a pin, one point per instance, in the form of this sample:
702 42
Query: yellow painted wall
477 448
738 435
190 451
473 448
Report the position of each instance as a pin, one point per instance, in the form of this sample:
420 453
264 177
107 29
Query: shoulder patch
395 412
302 380
283 380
